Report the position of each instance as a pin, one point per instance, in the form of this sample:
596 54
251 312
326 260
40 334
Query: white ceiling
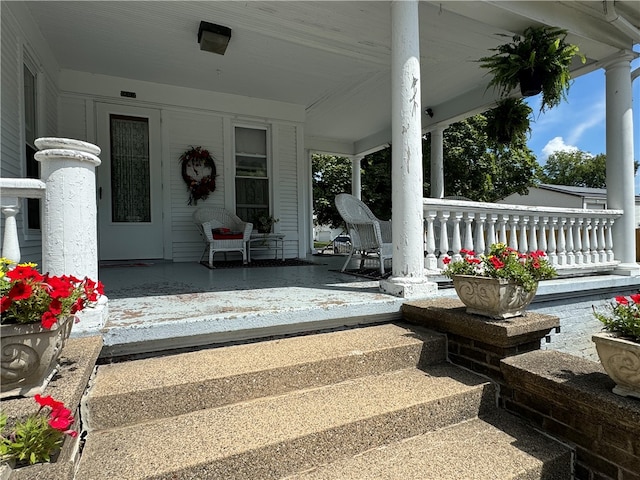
332 57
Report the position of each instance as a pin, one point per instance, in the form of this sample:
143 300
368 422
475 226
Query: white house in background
566 196
297 77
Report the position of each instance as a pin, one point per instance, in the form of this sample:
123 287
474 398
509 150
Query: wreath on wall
199 173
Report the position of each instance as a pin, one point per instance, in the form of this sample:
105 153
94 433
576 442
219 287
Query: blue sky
580 121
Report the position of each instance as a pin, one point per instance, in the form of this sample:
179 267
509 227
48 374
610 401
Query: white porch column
408 278
356 178
620 173
437 162
69 216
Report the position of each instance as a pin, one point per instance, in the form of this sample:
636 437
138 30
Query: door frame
103 110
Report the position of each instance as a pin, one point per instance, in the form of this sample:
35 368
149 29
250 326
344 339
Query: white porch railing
575 240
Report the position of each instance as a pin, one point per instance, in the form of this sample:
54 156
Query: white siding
287 188
15 44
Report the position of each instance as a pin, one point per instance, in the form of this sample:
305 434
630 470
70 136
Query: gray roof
578 191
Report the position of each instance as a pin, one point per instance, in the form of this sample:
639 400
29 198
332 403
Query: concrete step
269 438
131 392
496 447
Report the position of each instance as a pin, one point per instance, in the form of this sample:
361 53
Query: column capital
623 56
437 128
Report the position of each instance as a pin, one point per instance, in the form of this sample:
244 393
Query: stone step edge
101 412
228 448
476 448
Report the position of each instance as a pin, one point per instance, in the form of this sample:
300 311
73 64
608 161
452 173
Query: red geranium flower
5 303
24 272
635 297
446 260
48 320
48 401
622 300
61 419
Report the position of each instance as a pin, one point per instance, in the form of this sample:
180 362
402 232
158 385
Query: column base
628 269
413 288
92 320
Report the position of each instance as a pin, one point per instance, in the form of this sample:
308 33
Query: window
30 134
252 173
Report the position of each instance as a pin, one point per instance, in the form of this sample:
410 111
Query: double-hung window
252 173
32 170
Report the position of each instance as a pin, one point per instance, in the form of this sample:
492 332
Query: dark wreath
196 159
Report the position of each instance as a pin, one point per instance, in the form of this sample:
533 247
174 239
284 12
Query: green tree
331 176
576 168
479 169
376 182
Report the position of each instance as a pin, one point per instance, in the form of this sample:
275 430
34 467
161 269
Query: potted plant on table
37 315
618 346
538 61
498 285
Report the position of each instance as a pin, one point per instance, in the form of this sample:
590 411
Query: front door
129 183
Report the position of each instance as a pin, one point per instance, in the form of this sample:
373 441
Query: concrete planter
492 297
620 358
30 356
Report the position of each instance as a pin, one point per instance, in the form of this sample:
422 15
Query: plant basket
30 356
530 82
620 358
495 298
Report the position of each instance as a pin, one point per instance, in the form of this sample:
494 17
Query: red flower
622 300
59 287
55 306
48 320
497 264
61 419
24 272
48 401
77 305
20 291
5 303
635 297
446 260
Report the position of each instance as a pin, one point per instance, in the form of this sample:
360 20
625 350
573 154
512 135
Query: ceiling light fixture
213 38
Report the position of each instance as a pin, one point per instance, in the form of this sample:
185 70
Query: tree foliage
331 176
479 169
576 168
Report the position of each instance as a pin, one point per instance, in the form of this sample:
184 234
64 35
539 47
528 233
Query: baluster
602 252
610 254
571 258
513 232
562 244
491 228
577 241
455 239
479 239
10 244
468 232
522 240
543 235
553 256
533 234
587 244
594 240
430 261
444 238
502 228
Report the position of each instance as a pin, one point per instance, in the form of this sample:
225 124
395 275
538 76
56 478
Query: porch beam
620 169
408 279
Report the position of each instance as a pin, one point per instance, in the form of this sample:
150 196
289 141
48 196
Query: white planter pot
620 358
30 356
492 297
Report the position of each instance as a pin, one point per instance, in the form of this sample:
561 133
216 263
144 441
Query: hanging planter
199 173
539 52
508 121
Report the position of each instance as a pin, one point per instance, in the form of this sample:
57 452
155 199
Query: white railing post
430 261
480 245
468 231
610 255
513 231
594 240
456 243
502 228
444 238
571 258
552 245
491 228
69 213
602 246
577 241
562 244
587 240
522 240
543 235
533 234
10 245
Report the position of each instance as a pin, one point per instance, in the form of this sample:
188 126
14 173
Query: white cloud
557 144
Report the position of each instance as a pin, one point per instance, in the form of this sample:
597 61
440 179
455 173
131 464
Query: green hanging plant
540 54
508 120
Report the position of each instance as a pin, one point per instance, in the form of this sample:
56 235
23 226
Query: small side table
266 241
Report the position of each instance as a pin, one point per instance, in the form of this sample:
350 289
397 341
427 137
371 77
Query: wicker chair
208 219
369 235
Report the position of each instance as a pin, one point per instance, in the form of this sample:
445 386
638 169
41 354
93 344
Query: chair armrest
206 231
385 230
248 228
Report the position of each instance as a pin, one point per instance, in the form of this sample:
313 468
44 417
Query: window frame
269 166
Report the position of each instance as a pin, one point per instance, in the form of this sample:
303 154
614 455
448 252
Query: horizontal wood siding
14 42
183 130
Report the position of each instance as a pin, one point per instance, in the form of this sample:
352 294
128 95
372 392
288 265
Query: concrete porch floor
160 305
